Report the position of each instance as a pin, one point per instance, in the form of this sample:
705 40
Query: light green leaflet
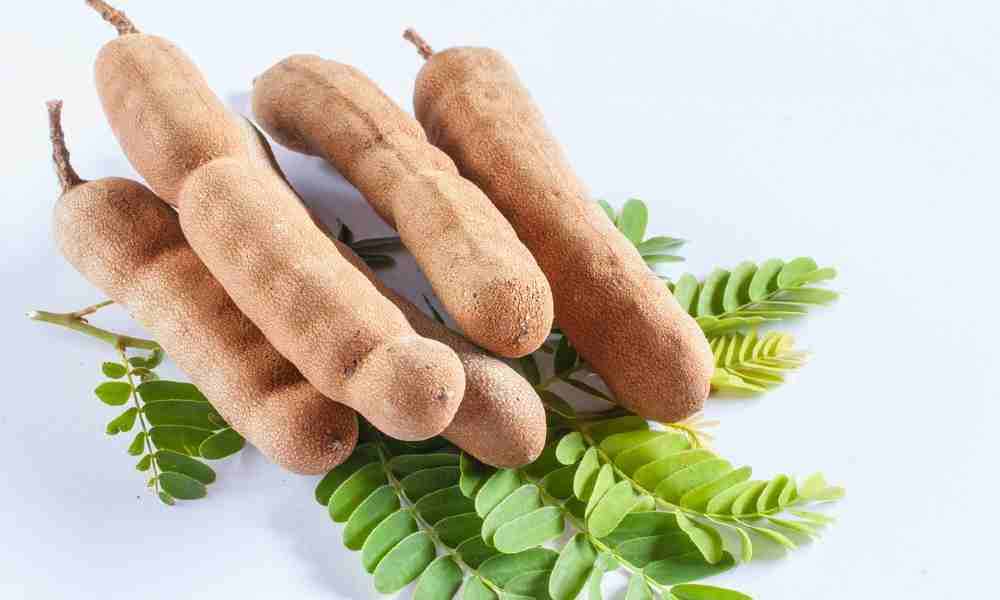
749 363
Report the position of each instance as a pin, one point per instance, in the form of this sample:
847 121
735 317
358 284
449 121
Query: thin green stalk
75 320
142 423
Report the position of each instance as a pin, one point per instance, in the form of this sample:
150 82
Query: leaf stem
75 320
142 422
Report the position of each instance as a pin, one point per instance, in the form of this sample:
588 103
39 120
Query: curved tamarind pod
501 420
618 315
258 241
128 243
486 278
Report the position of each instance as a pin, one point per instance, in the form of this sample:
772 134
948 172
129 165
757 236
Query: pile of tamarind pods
222 262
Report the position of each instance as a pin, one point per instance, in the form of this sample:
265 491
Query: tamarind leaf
190 413
419 484
569 575
794 269
686 292
474 551
815 488
609 512
768 499
559 483
707 539
746 545
642 551
440 581
658 244
633 220
657 259
154 391
456 529
651 474
363 454
144 463
150 361
615 444
813 517
123 422
374 509
693 591
644 524
522 501
604 563
801 527
181 486
166 498
816 276
529 530
138 444
586 473
392 530
722 503
404 563
738 286
352 492
638 589
170 461
770 534
673 487
765 280
603 429
660 446
687 567
750 363
443 503
806 296
475 589
602 483
699 497
411 463
571 448
114 393
566 356
178 438
532 584
500 485
221 444
473 474
746 503
502 568
113 370
712 292
546 461
529 368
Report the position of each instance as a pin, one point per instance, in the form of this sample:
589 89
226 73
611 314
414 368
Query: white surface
860 133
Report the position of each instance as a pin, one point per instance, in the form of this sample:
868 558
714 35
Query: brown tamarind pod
256 239
485 277
501 420
128 243
615 311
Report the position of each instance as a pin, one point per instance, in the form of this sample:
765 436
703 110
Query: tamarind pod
501 420
260 244
622 320
486 278
126 241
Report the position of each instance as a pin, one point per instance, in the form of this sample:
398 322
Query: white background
861 133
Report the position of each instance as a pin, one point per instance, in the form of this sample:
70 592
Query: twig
74 321
68 178
423 47
114 16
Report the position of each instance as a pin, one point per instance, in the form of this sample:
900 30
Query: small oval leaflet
221 444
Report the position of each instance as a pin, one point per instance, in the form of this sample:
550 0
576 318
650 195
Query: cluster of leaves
753 363
631 220
177 426
643 500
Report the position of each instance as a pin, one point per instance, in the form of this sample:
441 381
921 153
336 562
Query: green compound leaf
533 584
440 581
529 530
122 423
569 575
520 502
404 563
190 413
500 485
363 454
443 503
411 463
692 591
456 529
633 219
392 530
138 444
353 491
221 444
749 363
586 474
113 370
571 448
114 393
170 461
475 552
474 475
420 483
752 294
154 391
184 440
502 568
373 510
181 486
612 508
687 567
